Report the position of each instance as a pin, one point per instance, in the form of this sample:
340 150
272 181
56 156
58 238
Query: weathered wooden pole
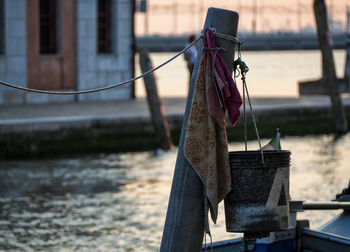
159 121
324 36
184 224
347 62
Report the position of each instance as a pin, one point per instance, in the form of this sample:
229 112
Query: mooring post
184 224
159 121
347 46
324 37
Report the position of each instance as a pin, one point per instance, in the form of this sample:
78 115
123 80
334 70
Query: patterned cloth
205 144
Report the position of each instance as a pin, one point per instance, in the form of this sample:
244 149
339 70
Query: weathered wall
97 70
13 61
91 69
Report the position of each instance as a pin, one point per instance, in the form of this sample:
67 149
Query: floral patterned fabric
205 144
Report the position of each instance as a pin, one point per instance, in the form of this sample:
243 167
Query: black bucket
259 199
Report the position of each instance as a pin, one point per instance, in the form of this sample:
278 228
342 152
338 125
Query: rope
101 88
220 35
245 121
237 63
253 117
228 37
243 70
224 36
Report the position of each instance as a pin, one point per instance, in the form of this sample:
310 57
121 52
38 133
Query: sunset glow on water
118 202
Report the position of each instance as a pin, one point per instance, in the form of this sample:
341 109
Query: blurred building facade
66 45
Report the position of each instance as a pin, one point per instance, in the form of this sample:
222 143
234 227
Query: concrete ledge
36 131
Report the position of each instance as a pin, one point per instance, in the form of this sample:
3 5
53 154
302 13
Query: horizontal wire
101 88
32 90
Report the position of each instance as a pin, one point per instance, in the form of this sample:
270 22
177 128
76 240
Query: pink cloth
226 84
211 92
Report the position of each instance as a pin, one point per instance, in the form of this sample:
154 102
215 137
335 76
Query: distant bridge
251 42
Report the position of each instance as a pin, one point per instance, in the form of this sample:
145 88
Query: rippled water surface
118 202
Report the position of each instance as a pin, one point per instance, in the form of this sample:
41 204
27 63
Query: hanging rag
205 145
228 87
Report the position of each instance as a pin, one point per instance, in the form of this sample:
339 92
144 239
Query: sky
176 17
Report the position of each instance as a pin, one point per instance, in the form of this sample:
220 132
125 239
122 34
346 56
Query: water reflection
327 157
118 202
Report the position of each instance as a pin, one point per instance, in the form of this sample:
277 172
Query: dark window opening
48 27
2 26
104 26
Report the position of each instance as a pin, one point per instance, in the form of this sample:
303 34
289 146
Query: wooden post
347 46
159 121
184 224
324 37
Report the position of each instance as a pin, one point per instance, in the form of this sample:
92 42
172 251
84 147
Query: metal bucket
259 199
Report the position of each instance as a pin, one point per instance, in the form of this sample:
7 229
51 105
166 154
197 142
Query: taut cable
101 88
32 90
243 71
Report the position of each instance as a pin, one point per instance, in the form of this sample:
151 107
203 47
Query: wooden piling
347 47
324 39
159 121
320 87
184 224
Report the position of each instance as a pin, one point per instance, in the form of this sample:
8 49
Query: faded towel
205 144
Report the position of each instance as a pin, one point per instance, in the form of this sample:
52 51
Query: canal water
118 202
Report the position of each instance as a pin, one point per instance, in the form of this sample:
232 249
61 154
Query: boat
332 236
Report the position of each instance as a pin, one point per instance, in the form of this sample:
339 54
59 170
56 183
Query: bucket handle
243 71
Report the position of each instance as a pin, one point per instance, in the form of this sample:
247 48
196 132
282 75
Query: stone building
66 45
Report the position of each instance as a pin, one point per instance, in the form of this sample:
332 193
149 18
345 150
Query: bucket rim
249 152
